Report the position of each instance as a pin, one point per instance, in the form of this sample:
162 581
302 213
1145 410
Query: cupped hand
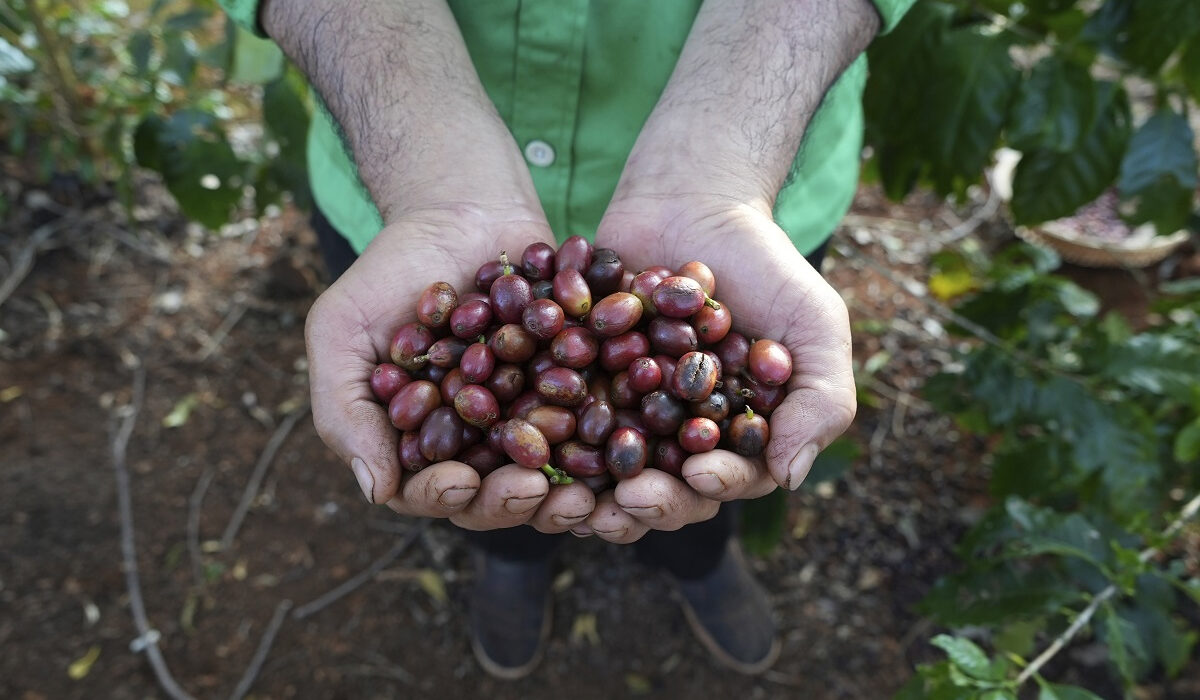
773 293
348 332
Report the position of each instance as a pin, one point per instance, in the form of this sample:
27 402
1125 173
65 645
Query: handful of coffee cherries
565 361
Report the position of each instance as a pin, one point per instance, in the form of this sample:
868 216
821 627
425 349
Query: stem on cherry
556 476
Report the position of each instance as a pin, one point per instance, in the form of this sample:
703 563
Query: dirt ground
216 322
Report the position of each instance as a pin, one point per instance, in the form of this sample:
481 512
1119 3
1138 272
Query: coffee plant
1055 80
92 89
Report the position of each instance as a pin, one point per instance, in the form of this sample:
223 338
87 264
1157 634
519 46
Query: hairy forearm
397 77
750 77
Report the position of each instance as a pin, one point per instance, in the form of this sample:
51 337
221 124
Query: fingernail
564 520
457 496
707 483
581 531
801 464
644 511
366 481
521 506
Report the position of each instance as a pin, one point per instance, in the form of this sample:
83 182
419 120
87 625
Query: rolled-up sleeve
245 14
890 11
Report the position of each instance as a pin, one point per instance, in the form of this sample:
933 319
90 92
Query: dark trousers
689 552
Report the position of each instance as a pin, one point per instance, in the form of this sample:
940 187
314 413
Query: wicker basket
1138 250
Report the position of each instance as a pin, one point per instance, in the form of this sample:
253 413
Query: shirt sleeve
890 11
244 13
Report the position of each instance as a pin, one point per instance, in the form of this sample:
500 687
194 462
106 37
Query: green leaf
1187 442
141 46
197 163
1105 26
1124 646
286 117
13 61
1156 28
1000 594
1189 69
1162 365
763 521
147 137
965 655
894 105
188 19
971 83
179 61
1018 637
1158 174
255 60
1049 185
1054 691
1054 108
833 461
934 682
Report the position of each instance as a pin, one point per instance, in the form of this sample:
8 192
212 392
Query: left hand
772 292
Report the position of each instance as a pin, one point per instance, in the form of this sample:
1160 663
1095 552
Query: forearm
749 79
397 77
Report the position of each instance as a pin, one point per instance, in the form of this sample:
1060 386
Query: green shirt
575 81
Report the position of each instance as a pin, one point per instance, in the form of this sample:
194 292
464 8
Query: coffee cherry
672 336
748 433
597 422
645 375
510 295
712 325
575 253
734 351
699 435
512 343
537 262
482 459
524 443
605 273
436 304
555 422
477 406
409 407
714 408
642 286
617 352
625 453
471 319
572 293
506 383
770 362
447 352
579 460
487 274
441 435
523 404
575 348
561 386
409 452
701 273
680 297
409 346
669 457
695 377
451 384
477 363
614 314
386 380
543 318
662 413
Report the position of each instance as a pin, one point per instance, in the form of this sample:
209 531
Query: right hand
348 332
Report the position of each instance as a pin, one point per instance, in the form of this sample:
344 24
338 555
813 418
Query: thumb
804 424
347 418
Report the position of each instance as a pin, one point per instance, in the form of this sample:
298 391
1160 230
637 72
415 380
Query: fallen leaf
637 683
9 393
180 413
433 584
83 665
584 629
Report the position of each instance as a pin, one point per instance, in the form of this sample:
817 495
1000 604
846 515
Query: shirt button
539 153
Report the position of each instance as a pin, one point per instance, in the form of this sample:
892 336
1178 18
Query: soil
216 321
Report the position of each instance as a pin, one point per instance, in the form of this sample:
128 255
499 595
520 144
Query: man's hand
348 332
772 292
700 184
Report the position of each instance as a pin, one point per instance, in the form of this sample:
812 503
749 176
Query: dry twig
193 522
350 584
260 654
22 263
148 637
260 471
